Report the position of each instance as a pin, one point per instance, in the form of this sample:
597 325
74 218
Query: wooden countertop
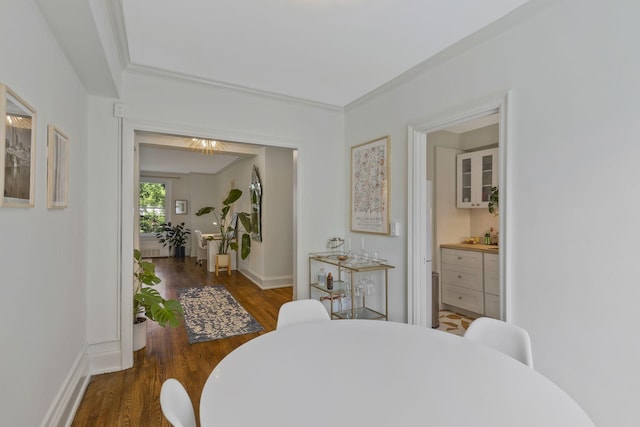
476 247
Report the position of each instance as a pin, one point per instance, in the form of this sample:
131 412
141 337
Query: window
153 206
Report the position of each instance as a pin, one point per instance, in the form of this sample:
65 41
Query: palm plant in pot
175 236
228 227
148 303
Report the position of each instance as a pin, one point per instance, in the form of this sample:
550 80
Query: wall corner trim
64 406
104 357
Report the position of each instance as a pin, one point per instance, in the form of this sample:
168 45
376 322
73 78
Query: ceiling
325 51
473 124
161 153
163 160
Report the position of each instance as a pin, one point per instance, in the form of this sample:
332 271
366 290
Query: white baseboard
63 408
272 282
105 357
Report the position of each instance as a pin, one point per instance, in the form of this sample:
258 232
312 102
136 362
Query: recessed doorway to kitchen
463 164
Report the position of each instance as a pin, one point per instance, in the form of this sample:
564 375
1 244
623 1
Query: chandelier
206 146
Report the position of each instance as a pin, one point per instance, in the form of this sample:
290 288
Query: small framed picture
181 207
57 169
17 150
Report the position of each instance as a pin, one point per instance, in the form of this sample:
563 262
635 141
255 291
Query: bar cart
347 268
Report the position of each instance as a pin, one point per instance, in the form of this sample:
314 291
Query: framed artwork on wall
181 207
57 168
370 187
17 150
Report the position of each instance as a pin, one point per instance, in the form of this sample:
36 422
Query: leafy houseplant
175 236
147 301
494 201
228 228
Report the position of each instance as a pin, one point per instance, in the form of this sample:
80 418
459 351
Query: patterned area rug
453 322
211 313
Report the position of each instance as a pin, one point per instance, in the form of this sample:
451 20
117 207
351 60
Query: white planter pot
139 335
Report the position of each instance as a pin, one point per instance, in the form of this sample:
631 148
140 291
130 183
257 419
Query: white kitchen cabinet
463 297
491 274
491 285
462 279
477 172
471 280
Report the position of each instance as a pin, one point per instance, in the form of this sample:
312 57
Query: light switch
394 229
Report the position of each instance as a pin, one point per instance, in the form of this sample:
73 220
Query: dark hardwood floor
131 397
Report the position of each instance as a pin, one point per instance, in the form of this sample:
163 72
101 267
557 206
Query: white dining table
375 373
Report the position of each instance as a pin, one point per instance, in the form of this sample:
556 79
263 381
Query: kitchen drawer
460 258
491 274
463 298
492 306
464 277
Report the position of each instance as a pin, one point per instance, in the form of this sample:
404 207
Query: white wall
485 137
573 70
43 251
155 103
203 193
278 215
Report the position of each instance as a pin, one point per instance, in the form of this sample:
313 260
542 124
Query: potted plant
148 303
228 227
494 201
175 236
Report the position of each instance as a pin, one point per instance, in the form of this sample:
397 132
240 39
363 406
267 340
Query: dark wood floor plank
131 397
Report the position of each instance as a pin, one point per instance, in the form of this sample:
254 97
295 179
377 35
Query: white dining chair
502 336
300 311
202 248
176 404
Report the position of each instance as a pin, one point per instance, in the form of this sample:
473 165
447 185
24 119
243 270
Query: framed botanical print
370 187
57 168
17 150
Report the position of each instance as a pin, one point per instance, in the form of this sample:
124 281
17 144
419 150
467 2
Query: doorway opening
431 223
129 172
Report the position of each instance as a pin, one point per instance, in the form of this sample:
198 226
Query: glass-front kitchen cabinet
360 284
477 173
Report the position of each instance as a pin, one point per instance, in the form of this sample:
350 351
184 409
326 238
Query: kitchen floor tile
453 322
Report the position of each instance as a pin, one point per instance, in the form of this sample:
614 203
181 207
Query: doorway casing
418 241
127 181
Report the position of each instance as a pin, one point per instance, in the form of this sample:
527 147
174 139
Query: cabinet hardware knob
459 257
459 276
459 297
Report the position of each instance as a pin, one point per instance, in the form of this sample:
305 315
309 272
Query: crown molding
119 30
146 70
